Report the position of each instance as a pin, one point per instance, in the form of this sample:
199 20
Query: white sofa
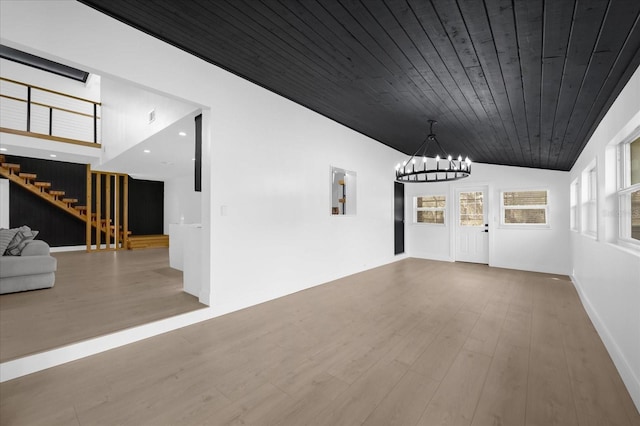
34 269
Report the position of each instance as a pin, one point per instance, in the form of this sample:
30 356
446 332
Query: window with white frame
629 192
525 208
575 190
430 209
590 200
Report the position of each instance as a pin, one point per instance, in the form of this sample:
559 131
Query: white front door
472 225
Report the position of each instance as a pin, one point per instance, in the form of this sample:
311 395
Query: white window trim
574 204
624 191
589 200
625 220
546 225
416 209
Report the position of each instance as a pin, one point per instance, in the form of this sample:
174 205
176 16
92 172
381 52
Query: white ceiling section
170 154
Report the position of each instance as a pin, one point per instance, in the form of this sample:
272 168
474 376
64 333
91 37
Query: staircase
56 197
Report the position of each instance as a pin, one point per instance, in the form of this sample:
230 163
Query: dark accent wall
56 227
146 207
146 203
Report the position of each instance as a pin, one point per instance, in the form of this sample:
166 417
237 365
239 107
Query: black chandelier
432 169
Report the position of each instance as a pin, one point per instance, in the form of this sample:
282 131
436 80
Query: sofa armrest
35 248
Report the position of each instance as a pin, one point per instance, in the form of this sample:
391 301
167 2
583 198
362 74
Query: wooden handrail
49 90
29 101
48 106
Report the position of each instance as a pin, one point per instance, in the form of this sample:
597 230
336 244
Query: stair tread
47 184
28 175
11 165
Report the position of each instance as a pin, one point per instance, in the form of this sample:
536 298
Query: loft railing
37 111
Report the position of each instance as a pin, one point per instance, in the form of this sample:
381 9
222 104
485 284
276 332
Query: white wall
266 193
25 74
181 201
125 111
533 249
606 275
4 203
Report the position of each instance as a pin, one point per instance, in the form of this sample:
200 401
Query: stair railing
29 110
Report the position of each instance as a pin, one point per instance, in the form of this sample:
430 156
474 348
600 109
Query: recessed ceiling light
3 149
146 151
182 134
52 155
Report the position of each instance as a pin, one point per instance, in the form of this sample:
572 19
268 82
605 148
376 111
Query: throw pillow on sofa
23 235
6 235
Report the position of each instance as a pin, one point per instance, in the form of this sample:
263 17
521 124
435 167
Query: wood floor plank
549 393
483 338
504 394
458 394
393 345
405 403
441 353
362 397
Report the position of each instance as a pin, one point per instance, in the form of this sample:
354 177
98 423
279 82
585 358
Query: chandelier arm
424 144
446 154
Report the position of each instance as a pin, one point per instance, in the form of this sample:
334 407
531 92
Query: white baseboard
529 268
67 248
432 256
631 381
75 248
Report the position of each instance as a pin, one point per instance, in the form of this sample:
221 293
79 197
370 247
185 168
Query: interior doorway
472 225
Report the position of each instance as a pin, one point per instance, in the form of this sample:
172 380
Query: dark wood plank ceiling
514 82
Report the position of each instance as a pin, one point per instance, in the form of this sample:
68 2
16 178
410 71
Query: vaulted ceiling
513 82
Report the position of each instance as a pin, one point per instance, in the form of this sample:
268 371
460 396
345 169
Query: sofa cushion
6 235
14 266
35 248
22 237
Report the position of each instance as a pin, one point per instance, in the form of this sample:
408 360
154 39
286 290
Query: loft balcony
36 119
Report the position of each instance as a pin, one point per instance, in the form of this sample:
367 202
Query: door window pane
471 209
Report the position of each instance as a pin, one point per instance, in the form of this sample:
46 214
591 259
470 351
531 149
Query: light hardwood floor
94 294
412 343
